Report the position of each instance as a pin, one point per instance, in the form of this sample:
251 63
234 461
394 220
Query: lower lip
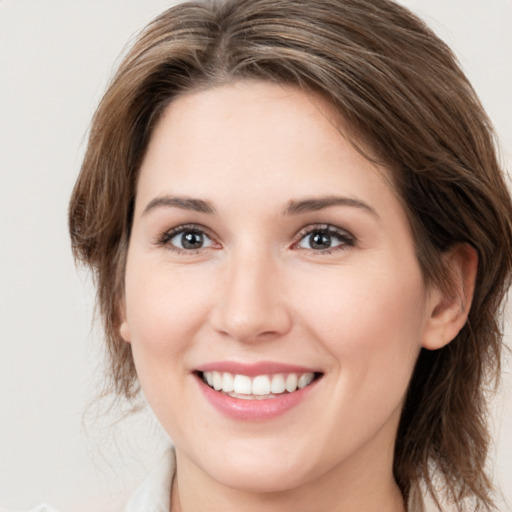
254 410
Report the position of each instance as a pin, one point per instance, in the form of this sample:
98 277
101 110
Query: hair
400 91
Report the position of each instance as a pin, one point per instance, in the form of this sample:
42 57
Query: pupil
192 240
320 241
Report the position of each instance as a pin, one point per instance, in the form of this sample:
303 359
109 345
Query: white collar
154 494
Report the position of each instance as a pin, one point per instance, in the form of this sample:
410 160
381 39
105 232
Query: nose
251 304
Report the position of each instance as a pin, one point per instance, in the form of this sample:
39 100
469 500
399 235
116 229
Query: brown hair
401 92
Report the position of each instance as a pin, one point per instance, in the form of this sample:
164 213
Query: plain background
56 57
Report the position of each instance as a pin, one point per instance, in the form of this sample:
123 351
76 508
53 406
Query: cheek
164 310
368 318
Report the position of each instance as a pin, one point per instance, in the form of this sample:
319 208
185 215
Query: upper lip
253 369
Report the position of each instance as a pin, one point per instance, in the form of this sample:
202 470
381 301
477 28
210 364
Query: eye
324 239
186 238
192 239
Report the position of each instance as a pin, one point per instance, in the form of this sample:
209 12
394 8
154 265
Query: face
274 303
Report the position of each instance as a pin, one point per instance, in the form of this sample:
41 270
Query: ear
124 328
449 307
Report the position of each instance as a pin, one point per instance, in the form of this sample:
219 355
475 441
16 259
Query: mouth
257 387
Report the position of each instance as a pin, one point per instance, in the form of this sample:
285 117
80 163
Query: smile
257 387
256 392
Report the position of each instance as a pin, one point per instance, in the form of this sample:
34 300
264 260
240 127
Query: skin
257 290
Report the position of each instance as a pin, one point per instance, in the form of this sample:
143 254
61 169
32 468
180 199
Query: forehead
249 134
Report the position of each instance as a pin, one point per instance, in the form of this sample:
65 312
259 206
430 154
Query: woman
301 238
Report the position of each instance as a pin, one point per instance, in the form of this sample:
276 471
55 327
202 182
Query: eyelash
166 237
345 238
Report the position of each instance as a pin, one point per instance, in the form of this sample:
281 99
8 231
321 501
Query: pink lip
253 410
253 369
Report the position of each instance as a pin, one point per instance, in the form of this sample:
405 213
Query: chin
261 470
260 480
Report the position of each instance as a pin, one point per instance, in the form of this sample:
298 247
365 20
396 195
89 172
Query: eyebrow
293 207
184 203
319 203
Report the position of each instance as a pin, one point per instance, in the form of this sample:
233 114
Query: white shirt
154 495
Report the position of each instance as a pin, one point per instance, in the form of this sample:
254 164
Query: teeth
291 382
277 385
217 381
304 380
243 386
261 385
227 382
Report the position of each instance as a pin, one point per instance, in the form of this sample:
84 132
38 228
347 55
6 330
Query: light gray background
56 57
